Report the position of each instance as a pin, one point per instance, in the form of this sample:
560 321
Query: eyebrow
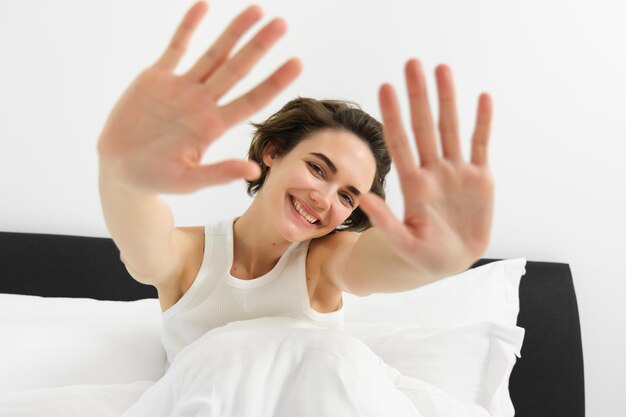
333 168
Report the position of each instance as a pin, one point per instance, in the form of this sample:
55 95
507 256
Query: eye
316 168
347 199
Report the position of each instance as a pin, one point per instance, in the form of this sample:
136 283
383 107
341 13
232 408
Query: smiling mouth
305 215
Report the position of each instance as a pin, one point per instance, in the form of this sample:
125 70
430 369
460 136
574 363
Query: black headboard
66 266
547 381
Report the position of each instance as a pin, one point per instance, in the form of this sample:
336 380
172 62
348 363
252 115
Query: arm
142 227
448 206
366 264
156 134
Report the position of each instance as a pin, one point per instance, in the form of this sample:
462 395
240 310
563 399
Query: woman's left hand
448 202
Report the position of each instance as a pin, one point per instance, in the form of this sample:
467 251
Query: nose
322 198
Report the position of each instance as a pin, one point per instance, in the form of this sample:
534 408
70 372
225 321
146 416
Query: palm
162 130
162 125
448 212
448 202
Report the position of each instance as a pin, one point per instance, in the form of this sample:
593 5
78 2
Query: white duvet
279 366
274 366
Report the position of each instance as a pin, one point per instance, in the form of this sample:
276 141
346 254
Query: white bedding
273 366
278 366
88 400
77 357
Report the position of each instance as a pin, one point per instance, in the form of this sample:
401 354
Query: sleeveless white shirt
216 298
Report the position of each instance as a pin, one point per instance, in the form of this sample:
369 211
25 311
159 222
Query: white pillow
54 342
472 362
489 293
458 334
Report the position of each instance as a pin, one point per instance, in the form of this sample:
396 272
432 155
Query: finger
381 217
480 139
395 137
421 118
179 42
219 52
448 118
253 101
241 64
222 172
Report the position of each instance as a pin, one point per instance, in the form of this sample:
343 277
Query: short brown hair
301 117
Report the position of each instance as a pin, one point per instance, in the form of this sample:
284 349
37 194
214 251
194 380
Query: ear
270 153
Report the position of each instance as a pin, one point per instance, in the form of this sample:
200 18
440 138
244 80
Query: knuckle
213 55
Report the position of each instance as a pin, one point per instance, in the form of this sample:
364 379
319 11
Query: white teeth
304 214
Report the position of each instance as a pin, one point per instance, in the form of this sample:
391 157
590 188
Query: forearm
373 263
141 225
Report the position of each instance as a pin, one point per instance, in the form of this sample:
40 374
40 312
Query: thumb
224 172
383 219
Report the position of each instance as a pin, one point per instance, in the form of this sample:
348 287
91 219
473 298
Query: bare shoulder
329 243
189 242
195 233
327 252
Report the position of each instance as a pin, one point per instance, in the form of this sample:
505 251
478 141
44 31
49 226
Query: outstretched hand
159 129
448 202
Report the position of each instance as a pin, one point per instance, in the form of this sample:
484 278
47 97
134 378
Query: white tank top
216 298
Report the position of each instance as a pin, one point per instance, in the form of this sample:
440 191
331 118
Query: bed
547 378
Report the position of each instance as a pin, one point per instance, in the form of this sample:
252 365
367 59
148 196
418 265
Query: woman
307 187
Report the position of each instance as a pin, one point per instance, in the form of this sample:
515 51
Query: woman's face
314 188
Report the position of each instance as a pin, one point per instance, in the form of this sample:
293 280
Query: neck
257 246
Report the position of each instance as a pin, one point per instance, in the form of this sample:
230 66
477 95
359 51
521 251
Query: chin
294 233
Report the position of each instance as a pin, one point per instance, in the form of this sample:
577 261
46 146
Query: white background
556 71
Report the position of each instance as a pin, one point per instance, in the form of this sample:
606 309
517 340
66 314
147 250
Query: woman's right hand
156 134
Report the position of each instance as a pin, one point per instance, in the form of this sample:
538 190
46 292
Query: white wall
556 71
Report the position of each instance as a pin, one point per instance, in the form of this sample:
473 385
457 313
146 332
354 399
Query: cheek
341 213
297 177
